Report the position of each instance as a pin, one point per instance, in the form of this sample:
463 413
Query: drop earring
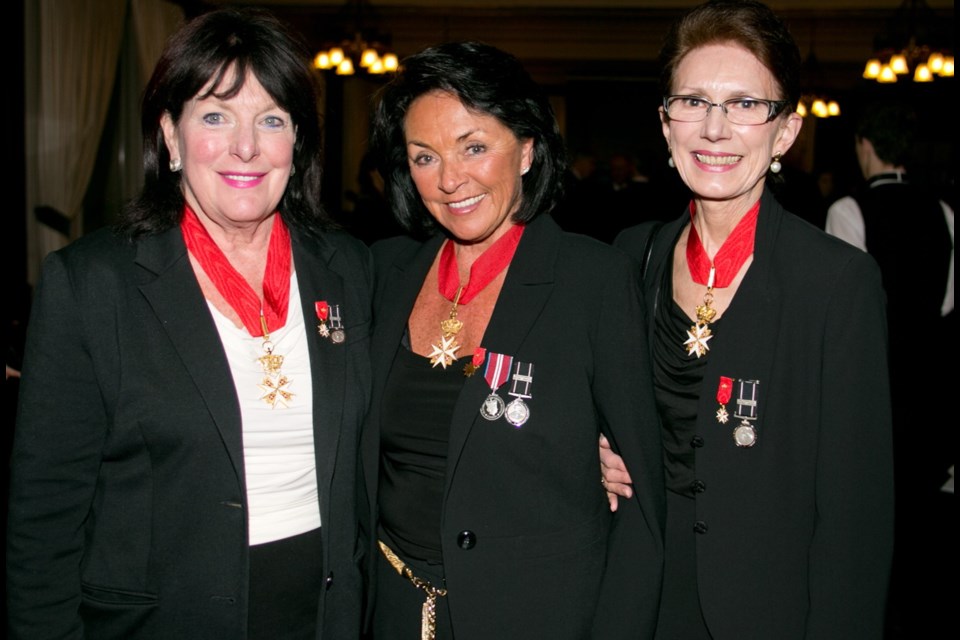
775 166
670 162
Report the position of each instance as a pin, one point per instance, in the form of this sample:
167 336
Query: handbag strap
648 247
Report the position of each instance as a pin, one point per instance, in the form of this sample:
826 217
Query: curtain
153 22
78 45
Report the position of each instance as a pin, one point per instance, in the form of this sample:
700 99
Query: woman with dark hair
502 348
769 362
184 464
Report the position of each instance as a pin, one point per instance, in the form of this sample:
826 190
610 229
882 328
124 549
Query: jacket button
699 526
698 486
467 540
696 442
328 581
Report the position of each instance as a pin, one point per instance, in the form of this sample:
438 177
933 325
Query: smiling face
467 167
717 160
237 154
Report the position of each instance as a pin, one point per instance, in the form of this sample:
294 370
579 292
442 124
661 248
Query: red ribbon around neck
232 286
732 254
484 269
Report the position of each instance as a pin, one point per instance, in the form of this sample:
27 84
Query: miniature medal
496 373
517 411
724 391
323 311
471 367
745 433
337 335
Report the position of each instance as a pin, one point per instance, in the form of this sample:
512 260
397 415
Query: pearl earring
175 165
775 166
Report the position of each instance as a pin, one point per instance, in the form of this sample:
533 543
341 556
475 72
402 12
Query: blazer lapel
397 295
317 281
525 291
745 345
398 283
175 297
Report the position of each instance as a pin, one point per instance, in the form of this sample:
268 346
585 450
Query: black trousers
286 577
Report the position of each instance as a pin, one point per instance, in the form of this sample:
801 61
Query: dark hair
203 52
745 23
488 81
892 130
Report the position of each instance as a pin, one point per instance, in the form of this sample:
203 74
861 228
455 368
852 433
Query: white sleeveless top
278 448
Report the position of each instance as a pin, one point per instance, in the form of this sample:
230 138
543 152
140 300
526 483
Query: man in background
909 232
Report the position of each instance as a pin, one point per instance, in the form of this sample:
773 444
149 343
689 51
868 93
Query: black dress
677 379
413 457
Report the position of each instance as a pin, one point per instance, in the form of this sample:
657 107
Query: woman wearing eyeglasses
769 350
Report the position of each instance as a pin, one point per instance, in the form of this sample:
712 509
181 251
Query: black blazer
794 534
128 513
548 560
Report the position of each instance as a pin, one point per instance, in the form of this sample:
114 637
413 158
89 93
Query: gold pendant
444 353
276 395
705 312
274 382
699 334
697 337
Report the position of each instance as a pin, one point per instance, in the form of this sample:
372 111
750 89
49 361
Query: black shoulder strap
648 247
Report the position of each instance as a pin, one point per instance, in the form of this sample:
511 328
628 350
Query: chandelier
814 92
819 106
912 45
365 50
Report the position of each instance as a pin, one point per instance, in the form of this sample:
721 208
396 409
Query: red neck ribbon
231 285
484 269
732 254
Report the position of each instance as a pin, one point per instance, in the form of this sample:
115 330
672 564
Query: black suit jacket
128 509
549 560
795 533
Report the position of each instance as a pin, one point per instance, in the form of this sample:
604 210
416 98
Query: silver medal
492 408
745 435
517 412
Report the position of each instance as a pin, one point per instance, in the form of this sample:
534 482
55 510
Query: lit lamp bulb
833 108
935 62
947 67
887 75
872 70
819 108
898 64
802 109
922 74
368 58
336 56
376 68
322 61
345 68
391 62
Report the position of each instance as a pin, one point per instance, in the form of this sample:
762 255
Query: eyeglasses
747 111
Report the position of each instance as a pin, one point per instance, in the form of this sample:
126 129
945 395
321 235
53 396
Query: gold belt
428 613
